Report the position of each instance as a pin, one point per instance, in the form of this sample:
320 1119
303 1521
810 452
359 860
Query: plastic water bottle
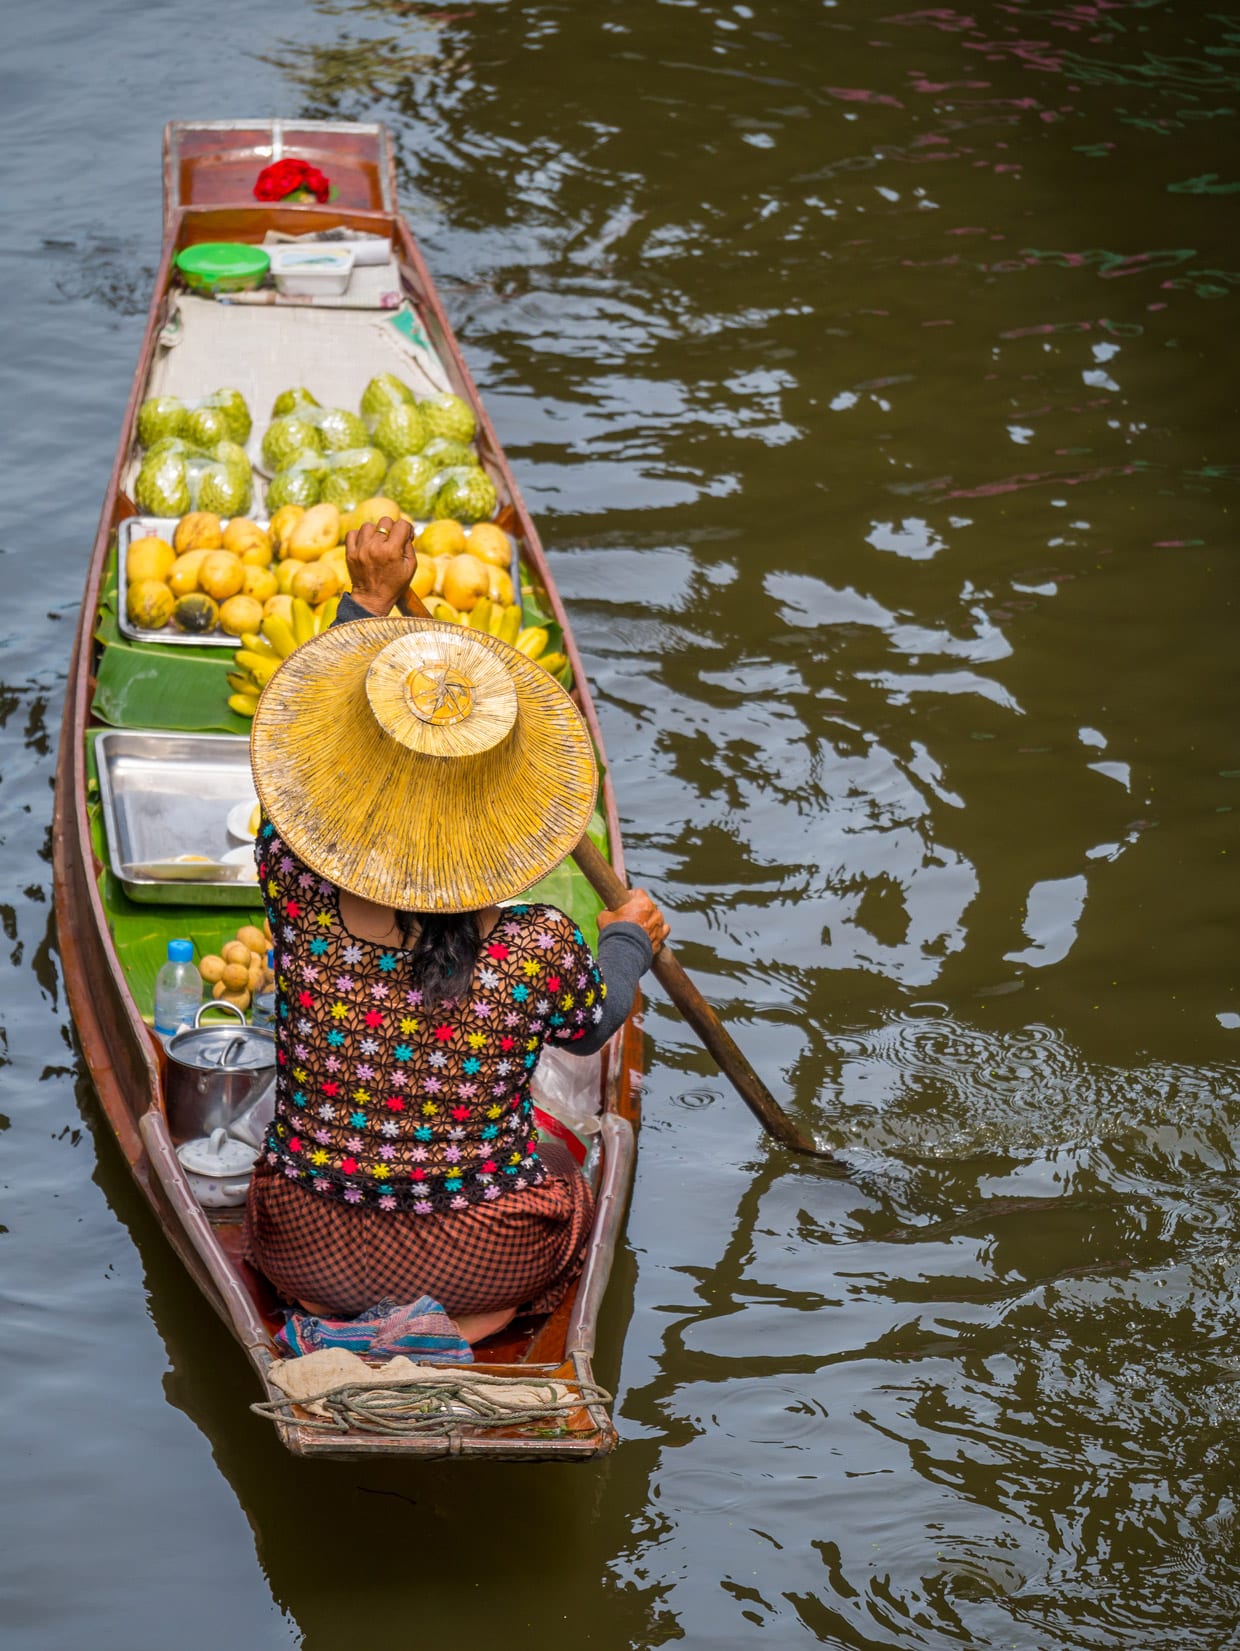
178 990
264 1011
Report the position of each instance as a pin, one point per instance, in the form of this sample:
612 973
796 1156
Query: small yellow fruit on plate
200 530
245 538
183 579
441 538
254 938
317 531
281 607
236 951
370 510
260 583
315 582
221 575
491 544
466 581
236 976
283 523
149 558
195 613
211 968
240 614
149 604
221 994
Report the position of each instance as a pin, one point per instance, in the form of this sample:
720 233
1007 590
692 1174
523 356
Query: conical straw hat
422 765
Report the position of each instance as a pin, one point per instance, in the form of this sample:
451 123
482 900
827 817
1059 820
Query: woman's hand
639 908
381 561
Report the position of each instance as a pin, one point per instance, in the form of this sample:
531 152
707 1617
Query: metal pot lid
217 1154
223 1048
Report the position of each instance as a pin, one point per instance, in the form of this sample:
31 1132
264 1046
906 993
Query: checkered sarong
523 1250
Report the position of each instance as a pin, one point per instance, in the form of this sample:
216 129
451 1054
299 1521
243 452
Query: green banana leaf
160 685
138 686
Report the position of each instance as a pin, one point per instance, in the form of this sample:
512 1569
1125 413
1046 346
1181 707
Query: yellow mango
245 539
283 523
200 530
317 531
315 582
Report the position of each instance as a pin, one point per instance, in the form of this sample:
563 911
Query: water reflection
867 376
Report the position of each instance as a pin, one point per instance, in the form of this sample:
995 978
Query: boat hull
126 1062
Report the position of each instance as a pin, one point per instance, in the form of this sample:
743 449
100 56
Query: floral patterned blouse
382 1102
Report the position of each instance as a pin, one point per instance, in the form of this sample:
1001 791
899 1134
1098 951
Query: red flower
553 983
497 950
306 999
373 1018
489 1167
348 1165
292 909
331 1089
417 1175
294 1144
394 1103
445 1034
507 1043
460 1113
289 177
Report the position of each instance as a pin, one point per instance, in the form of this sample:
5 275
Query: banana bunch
502 619
532 642
262 653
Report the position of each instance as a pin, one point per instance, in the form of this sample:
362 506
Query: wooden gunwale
124 1060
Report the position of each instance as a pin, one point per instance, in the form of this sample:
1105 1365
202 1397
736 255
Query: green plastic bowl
223 266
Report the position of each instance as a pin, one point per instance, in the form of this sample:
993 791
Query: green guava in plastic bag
160 417
292 401
446 454
162 488
287 437
400 431
411 482
340 430
448 416
382 393
466 495
300 484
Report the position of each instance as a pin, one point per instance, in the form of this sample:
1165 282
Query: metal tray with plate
171 816
136 527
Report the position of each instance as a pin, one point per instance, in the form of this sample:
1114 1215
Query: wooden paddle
704 1021
684 994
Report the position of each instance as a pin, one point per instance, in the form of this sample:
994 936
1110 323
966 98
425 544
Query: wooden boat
209 171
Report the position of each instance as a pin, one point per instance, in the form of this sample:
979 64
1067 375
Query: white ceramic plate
239 821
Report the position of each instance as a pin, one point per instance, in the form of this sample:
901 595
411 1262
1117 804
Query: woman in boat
402 1160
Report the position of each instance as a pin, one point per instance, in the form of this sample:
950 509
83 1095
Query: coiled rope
438 1408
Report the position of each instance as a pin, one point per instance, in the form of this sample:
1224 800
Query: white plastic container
311 271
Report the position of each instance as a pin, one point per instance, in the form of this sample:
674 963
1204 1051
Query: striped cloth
422 1331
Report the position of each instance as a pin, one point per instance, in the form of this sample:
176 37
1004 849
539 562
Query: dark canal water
872 374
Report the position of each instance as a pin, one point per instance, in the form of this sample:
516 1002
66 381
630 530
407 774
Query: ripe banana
553 662
532 641
260 666
509 623
244 705
279 633
479 617
303 621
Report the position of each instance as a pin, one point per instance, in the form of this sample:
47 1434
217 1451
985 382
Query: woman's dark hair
444 954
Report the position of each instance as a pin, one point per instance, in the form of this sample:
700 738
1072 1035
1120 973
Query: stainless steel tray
168 795
134 527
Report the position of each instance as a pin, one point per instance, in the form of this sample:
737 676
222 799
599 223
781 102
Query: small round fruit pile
240 970
214 576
